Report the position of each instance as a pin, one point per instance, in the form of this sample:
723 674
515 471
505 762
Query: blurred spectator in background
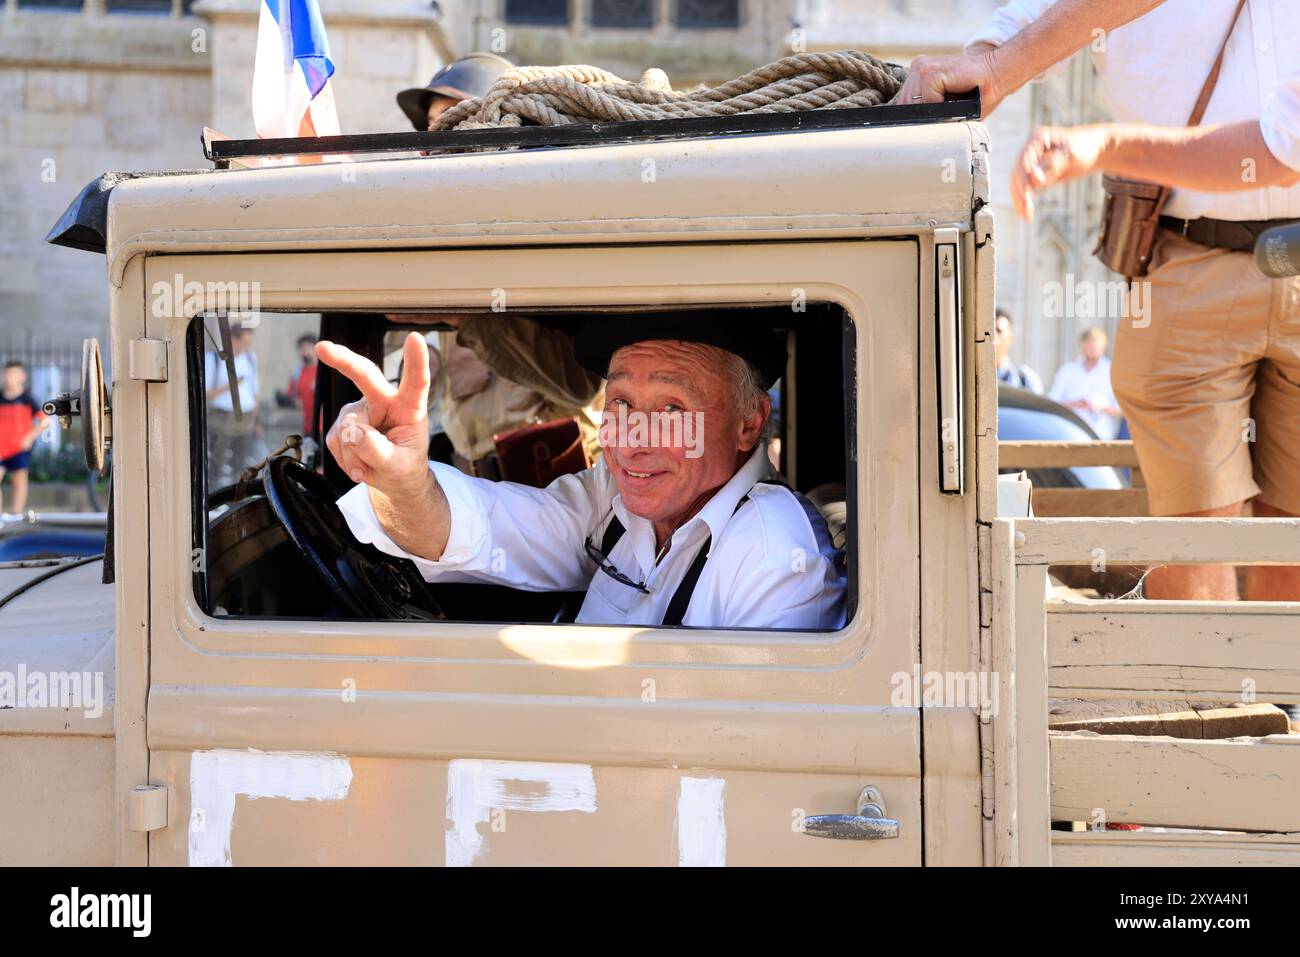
21 424
1084 385
234 438
302 382
1022 377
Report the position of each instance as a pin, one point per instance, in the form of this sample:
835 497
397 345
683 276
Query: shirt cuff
468 544
1279 124
988 34
1005 23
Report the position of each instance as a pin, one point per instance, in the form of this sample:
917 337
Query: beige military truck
273 693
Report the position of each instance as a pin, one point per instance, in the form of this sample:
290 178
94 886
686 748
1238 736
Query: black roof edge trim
966 106
84 224
85 221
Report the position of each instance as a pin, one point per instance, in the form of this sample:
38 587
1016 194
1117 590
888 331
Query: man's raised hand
382 440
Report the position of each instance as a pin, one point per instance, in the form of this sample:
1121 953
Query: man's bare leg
2 499
1276 582
1196 582
19 479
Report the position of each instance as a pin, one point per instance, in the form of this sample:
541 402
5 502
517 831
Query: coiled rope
561 95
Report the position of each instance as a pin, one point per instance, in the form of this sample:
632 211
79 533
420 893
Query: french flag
291 73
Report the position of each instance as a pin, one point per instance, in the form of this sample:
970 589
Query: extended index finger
363 373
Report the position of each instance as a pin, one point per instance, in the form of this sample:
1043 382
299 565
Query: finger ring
919 96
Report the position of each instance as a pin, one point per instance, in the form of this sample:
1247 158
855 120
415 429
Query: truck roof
820 182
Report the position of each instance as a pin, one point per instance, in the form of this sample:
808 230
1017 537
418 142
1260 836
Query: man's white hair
747 390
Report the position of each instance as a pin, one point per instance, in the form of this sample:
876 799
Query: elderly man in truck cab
679 525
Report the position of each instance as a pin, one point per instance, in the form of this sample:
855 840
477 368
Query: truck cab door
307 741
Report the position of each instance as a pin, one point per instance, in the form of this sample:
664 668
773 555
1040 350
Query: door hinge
147 807
148 360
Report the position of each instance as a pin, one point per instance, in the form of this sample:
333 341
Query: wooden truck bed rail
1134 649
1050 502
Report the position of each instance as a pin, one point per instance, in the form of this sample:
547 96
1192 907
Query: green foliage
66 464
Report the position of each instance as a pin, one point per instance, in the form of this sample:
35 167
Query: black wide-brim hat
470 76
753 339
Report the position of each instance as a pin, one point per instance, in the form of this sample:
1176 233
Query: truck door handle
869 824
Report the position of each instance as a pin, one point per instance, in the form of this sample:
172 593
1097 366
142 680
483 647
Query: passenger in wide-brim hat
470 76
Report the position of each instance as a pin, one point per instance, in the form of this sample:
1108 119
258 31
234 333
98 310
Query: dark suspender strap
686 588
682 596
613 532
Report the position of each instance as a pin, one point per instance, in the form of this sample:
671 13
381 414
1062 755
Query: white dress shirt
1074 380
1152 69
770 565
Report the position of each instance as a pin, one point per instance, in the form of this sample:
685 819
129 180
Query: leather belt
488 467
1235 235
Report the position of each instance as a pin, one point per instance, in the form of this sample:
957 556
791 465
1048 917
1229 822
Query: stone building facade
93 85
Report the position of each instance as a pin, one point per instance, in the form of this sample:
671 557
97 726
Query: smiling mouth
634 473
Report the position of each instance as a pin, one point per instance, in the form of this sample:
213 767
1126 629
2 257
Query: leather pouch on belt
1129 221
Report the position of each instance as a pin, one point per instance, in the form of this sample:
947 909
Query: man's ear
751 427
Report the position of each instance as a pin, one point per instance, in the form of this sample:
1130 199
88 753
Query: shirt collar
718 510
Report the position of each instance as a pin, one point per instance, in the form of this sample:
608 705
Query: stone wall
687 55
81 93
87 91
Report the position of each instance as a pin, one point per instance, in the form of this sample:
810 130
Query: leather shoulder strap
1198 111
1203 101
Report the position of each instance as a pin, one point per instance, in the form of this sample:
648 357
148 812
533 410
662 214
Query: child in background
21 423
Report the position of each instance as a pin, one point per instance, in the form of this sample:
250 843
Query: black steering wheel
364 581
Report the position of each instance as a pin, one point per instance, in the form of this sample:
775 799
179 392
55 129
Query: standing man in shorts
1210 382
21 424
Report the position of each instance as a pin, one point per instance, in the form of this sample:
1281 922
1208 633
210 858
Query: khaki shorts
1209 381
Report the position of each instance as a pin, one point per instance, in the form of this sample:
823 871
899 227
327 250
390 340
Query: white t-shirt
1075 381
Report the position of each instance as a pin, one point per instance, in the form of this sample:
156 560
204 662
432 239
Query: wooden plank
1030 683
1174 719
1045 455
1164 849
1244 784
1139 541
1096 502
1006 834
1245 651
